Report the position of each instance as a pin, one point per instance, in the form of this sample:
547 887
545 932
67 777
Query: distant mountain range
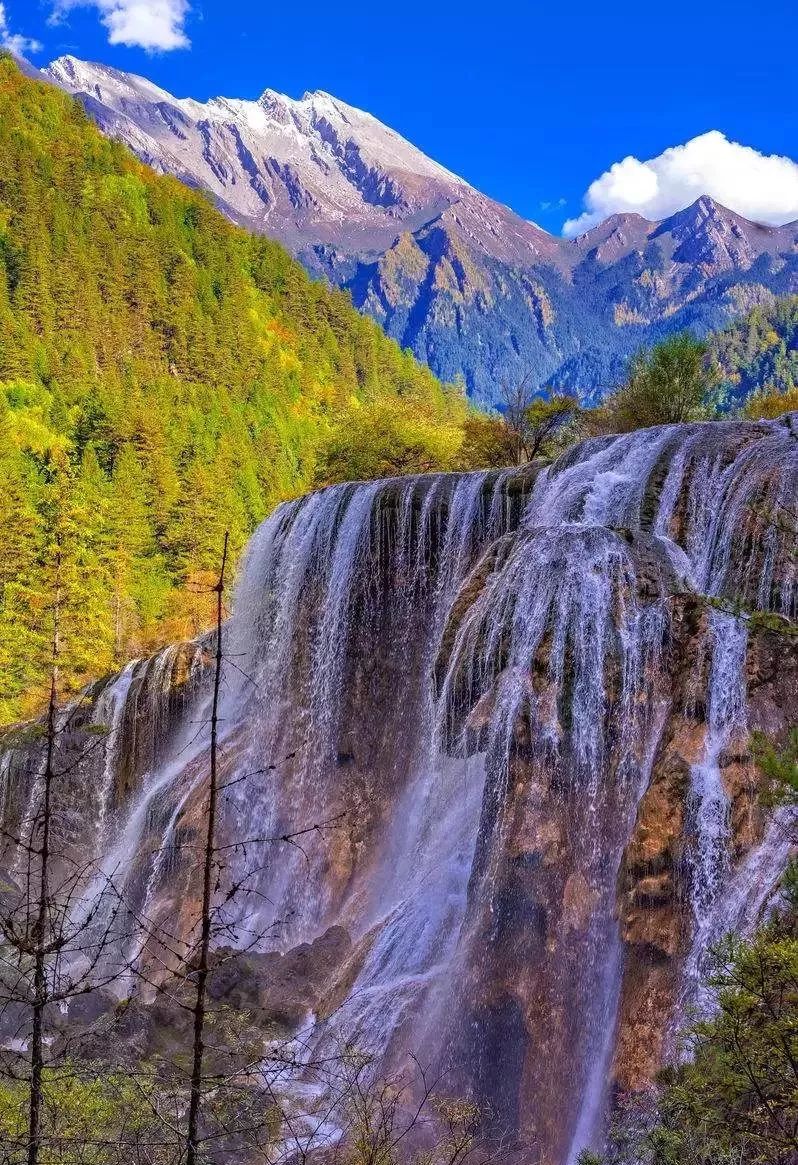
468 285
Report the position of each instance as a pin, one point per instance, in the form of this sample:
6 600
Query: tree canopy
667 384
164 377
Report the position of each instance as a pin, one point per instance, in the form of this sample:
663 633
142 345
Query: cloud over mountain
762 187
154 25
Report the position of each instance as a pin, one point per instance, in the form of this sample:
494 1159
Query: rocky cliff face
517 708
471 287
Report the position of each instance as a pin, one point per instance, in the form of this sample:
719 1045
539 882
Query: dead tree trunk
39 928
207 890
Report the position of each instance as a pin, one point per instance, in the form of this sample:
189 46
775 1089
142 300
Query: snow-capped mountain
309 171
470 286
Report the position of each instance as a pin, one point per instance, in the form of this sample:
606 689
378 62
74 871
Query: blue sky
531 102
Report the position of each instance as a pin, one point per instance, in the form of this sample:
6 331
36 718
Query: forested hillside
164 376
759 353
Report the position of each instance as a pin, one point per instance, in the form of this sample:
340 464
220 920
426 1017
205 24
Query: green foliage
779 766
769 404
670 383
530 425
770 622
164 377
737 1098
758 355
487 442
386 439
545 421
89 1118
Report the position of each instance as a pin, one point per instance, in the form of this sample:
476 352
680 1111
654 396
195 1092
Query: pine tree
160 366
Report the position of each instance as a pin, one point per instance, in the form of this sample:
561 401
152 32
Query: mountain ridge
472 288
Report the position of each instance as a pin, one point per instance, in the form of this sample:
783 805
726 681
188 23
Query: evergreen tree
164 376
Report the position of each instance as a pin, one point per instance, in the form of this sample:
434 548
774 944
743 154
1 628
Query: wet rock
280 990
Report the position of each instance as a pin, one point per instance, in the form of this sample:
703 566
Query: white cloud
15 42
154 25
557 203
762 187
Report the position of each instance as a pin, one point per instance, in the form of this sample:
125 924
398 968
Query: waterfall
708 804
125 729
110 707
453 690
5 780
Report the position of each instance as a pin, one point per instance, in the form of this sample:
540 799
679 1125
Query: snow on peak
101 81
313 167
327 124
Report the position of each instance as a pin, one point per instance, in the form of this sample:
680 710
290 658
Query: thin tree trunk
207 891
39 929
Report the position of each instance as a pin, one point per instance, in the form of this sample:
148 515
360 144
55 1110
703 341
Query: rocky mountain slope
468 285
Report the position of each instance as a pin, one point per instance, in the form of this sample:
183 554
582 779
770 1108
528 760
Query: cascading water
115 735
708 803
5 776
564 605
111 707
464 683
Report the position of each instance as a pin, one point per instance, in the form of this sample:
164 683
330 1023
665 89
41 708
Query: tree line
164 377
678 380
